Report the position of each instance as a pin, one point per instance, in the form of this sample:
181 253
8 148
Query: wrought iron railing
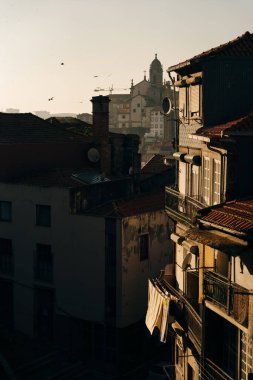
182 207
213 371
187 317
230 297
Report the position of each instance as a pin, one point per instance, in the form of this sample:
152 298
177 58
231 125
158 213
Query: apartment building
213 153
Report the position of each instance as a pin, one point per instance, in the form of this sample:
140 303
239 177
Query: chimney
100 117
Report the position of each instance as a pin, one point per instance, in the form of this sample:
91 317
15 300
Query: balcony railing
215 372
187 317
230 297
182 207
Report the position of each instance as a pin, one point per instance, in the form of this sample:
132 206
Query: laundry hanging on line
158 312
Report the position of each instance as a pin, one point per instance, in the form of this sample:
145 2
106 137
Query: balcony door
206 180
182 178
195 182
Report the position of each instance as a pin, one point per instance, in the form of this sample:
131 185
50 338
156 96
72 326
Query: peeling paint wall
135 273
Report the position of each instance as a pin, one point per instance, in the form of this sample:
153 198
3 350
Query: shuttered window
206 180
183 97
194 101
216 181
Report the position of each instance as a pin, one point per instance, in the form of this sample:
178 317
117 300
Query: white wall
77 244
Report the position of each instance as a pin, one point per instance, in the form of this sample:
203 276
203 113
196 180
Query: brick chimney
100 112
100 129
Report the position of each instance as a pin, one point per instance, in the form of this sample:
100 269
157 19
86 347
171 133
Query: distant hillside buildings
140 111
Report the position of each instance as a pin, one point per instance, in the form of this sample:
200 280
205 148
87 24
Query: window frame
6 258
144 246
38 264
39 220
2 218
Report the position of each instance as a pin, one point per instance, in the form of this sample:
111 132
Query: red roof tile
141 204
239 126
236 215
241 46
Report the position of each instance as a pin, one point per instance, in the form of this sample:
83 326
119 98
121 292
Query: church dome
156 72
156 64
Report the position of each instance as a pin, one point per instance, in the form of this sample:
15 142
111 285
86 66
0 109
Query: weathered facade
211 332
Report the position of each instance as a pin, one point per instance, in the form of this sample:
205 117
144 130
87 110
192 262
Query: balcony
229 297
181 208
187 317
215 372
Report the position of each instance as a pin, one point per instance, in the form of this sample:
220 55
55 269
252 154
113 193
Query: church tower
156 72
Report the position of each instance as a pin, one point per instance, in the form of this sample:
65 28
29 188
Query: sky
102 43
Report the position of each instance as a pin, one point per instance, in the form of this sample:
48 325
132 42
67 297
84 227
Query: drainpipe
177 128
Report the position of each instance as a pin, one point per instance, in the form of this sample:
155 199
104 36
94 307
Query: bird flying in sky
51 98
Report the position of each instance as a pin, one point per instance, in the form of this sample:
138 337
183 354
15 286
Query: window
206 180
44 263
43 215
144 247
134 110
123 116
194 100
5 211
195 181
138 105
246 356
123 124
6 257
216 181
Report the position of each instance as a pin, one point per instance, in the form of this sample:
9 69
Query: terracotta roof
155 165
140 204
241 46
235 215
28 128
243 125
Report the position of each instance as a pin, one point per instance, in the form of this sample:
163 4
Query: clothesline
159 309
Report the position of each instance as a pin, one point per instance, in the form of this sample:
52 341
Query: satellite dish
187 261
93 155
166 106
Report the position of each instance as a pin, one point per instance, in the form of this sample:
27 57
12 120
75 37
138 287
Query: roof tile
241 46
236 215
241 125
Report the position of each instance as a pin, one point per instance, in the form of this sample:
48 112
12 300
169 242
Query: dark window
138 105
44 263
134 110
6 309
44 314
6 257
123 117
5 211
43 215
144 247
123 124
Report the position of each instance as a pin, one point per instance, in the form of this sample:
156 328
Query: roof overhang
231 245
199 138
178 66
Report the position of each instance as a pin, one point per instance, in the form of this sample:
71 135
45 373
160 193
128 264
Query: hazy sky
114 39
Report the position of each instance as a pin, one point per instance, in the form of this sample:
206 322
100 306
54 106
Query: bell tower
156 72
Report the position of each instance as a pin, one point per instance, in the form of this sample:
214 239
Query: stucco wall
77 243
135 273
